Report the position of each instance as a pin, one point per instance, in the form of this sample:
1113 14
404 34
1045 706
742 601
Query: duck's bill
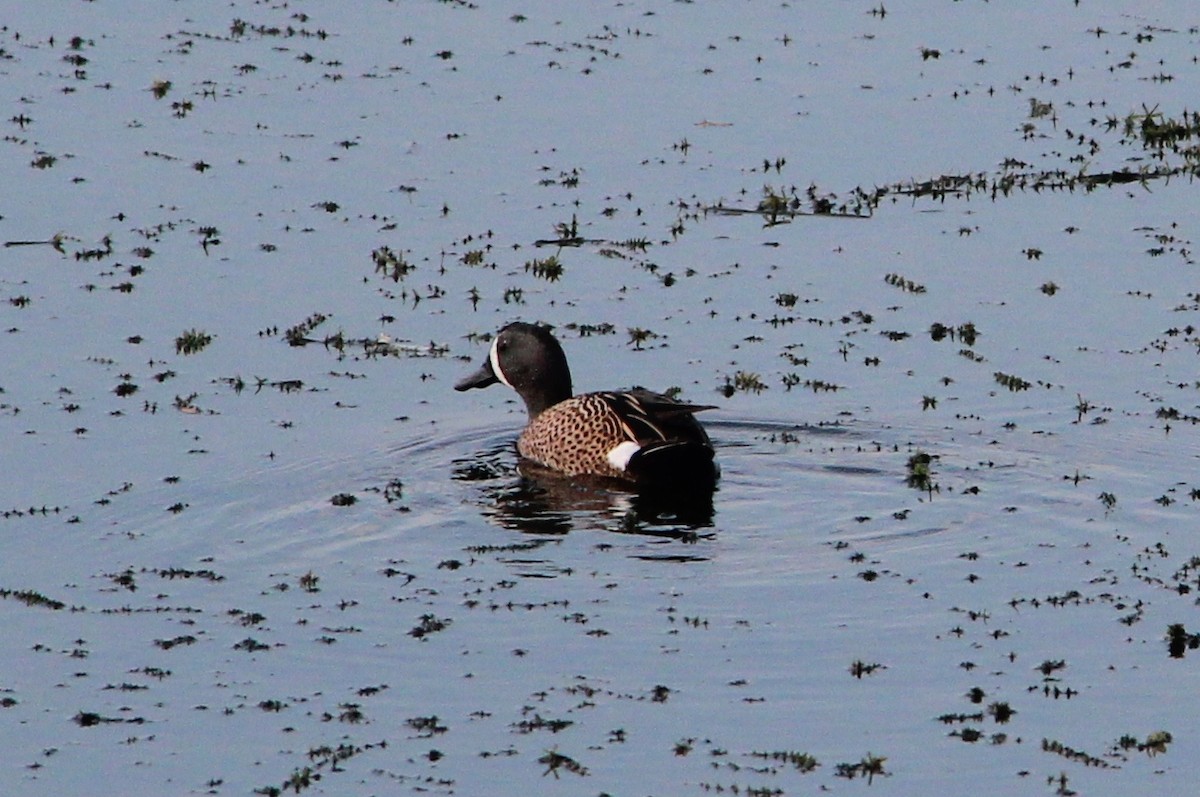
482 378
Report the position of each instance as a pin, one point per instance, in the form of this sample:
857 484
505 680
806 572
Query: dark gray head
527 358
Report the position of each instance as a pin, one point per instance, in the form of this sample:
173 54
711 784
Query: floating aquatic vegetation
1001 712
920 472
860 668
1179 640
1013 383
1058 748
963 332
32 598
548 268
801 762
742 382
903 283
192 341
638 336
429 624
555 761
781 206
868 767
392 265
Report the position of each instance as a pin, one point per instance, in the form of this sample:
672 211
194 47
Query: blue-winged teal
635 435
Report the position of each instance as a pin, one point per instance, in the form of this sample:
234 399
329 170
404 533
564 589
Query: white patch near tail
494 359
619 456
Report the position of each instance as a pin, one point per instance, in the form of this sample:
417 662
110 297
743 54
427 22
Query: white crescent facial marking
494 359
620 455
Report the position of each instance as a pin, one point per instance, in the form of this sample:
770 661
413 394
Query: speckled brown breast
575 436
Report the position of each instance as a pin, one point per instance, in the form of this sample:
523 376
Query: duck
635 436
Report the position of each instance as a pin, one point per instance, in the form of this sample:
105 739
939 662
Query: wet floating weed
192 341
1154 744
1013 383
969 735
539 723
555 760
298 334
390 264
1061 780
815 385
1001 712
167 644
904 284
920 472
868 767
251 645
248 618
473 258
964 332
638 336
323 757
634 244
1058 748
742 382
951 719
802 762
32 598
1179 641
179 572
859 668
549 268
428 624
89 719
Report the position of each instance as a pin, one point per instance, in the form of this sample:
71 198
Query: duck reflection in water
527 497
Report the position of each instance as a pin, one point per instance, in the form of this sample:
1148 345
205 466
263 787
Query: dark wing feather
649 417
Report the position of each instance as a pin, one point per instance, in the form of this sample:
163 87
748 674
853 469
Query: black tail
676 465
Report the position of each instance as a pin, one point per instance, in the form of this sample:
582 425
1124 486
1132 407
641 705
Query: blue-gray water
187 611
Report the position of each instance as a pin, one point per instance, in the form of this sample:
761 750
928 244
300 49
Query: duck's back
636 435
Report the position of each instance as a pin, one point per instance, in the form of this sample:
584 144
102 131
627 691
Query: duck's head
529 359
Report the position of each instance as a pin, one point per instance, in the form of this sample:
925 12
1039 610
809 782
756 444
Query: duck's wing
661 404
648 417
